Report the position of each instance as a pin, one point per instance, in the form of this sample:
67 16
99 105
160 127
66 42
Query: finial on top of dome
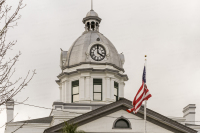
91 20
91 4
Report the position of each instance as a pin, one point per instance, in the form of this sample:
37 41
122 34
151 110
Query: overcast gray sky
168 32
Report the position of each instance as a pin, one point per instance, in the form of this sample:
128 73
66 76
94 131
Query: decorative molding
186 109
77 104
77 107
91 17
189 113
58 107
58 81
95 63
94 70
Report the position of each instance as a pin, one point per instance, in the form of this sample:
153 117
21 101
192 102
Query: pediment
152 117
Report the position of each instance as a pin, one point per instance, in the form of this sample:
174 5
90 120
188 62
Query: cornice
92 70
91 17
94 63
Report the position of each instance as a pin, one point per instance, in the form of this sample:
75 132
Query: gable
106 123
124 104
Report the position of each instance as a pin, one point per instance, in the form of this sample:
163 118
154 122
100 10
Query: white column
60 88
81 88
112 89
69 91
90 26
66 91
63 91
91 89
107 88
104 96
121 89
87 88
64 100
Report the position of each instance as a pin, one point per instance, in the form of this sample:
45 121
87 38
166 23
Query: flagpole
145 104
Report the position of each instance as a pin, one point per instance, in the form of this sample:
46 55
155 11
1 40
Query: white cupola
91 21
92 69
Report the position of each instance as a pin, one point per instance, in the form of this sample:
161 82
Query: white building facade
91 86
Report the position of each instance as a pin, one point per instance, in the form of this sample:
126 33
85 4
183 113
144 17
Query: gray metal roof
39 120
77 52
91 13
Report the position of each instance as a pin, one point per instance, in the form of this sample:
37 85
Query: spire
91 4
91 20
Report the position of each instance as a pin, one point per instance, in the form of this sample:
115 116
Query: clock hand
98 49
100 54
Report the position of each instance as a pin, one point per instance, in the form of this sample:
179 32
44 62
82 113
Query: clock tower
92 69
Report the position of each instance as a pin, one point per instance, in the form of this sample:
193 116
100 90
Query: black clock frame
102 55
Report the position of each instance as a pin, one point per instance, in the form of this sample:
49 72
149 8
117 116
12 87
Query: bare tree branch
9 121
9 88
19 127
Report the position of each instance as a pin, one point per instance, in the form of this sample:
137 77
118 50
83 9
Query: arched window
97 25
88 25
92 25
122 123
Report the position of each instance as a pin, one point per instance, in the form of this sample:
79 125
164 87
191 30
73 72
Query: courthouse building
91 86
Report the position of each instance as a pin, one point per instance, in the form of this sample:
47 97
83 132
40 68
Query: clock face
97 52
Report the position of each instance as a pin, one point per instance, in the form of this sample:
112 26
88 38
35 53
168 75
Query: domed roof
91 13
77 52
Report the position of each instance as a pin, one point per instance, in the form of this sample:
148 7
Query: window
122 123
97 89
116 86
92 25
88 25
97 24
75 91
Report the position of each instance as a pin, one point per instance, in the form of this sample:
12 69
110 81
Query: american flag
142 94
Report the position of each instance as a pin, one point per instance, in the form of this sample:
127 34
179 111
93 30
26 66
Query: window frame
121 118
116 96
72 89
101 88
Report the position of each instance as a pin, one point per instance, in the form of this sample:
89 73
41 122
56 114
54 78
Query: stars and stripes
142 94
